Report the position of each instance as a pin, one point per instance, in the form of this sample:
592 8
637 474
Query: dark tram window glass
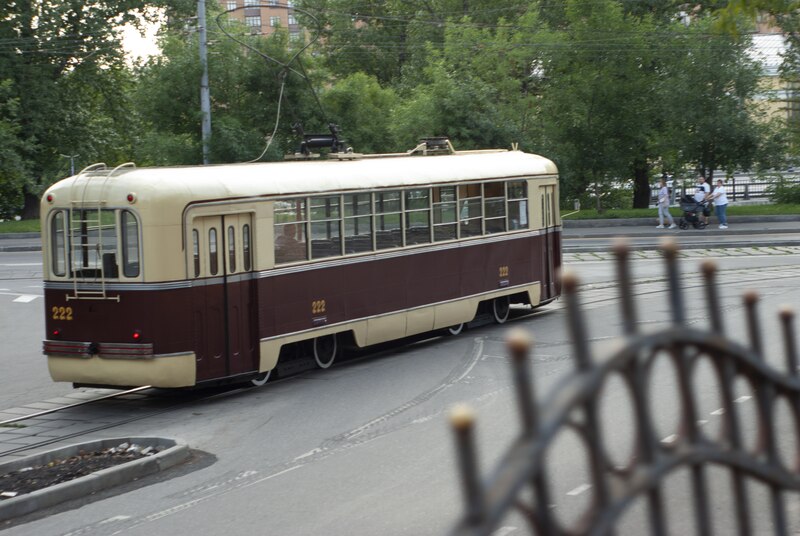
357 223
517 205
494 207
445 222
130 244
290 230
246 247
232 249
388 221
196 251
418 216
58 237
470 210
326 221
212 251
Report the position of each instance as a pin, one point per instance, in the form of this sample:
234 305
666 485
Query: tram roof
308 177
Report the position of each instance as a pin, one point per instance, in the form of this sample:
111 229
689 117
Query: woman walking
663 206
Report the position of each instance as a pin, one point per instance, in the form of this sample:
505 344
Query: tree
66 71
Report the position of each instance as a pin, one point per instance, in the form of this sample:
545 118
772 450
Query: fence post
746 192
733 189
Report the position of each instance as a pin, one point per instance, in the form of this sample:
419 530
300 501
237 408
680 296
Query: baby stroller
691 213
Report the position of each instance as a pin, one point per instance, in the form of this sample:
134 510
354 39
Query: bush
783 191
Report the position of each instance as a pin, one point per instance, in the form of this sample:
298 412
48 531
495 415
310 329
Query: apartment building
264 17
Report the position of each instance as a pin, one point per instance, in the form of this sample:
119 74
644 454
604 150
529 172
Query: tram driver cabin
178 276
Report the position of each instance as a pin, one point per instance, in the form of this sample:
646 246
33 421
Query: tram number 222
62 313
317 307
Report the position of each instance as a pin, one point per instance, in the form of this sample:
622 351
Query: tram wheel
261 379
455 330
501 307
325 349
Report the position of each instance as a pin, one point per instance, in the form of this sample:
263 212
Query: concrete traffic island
154 454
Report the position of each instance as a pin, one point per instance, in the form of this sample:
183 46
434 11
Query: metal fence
739 188
520 482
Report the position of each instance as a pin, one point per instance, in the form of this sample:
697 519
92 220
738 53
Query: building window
292 19
231 5
253 22
250 3
274 21
295 36
272 2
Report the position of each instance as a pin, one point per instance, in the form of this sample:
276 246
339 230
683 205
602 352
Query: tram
182 276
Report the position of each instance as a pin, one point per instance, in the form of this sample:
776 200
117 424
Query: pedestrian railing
520 484
744 188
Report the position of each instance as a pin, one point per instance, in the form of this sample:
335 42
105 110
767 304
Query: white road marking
26 298
23 264
309 453
743 399
502 531
670 438
580 489
720 411
114 519
701 422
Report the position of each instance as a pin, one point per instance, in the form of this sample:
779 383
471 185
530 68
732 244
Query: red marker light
131 198
49 198
136 335
56 333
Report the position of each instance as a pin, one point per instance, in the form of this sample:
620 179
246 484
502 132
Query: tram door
548 196
223 295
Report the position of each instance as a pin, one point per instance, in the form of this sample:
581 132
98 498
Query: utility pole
72 158
205 94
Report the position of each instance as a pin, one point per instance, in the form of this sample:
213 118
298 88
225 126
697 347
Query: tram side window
196 251
494 206
130 244
517 205
290 230
469 199
445 224
357 223
388 226
246 257
213 261
232 248
418 216
58 234
326 221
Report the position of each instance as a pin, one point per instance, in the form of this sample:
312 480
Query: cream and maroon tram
179 276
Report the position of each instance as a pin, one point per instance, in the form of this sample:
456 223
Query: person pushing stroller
695 208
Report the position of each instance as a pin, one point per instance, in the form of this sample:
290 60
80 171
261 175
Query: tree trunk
30 210
641 184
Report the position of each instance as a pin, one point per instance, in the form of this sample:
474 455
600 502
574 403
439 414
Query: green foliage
784 192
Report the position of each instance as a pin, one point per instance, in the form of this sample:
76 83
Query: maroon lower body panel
171 320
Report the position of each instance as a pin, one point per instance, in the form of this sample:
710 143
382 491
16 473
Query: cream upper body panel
179 186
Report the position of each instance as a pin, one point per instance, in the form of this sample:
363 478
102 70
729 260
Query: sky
138 46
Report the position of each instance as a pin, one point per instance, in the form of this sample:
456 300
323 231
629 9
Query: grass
733 210
22 226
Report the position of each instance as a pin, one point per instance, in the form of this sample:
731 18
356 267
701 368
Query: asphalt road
364 448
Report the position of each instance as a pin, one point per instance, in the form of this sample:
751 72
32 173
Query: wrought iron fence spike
622 252
786 315
669 248
750 299
709 268
519 344
462 419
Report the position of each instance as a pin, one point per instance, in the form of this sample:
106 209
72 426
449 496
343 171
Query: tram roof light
131 198
50 198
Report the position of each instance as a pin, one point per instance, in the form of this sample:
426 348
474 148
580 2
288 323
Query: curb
650 247
625 222
175 453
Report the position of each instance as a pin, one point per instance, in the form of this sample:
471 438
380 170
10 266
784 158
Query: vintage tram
182 276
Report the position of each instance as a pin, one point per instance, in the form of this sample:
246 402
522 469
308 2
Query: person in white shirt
701 195
720 199
663 206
